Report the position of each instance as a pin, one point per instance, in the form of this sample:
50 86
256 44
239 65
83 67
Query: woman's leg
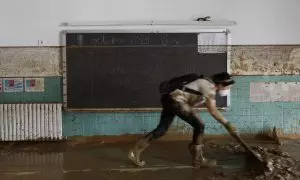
196 147
166 119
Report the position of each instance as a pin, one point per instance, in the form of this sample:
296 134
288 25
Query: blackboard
122 71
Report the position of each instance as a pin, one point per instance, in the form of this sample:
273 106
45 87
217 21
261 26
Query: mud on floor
62 161
279 164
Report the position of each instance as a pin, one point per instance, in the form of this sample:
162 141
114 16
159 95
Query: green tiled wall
249 117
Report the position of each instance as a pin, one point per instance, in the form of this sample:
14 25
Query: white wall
24 22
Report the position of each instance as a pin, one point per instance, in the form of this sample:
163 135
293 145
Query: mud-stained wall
265 60
29 61
245 60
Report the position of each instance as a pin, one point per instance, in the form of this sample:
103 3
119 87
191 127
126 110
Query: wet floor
165 160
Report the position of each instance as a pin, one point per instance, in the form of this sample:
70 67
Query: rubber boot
135 152
198 158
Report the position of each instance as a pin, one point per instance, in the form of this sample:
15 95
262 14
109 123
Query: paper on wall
1 87
34 85
212 42
275 91
13 85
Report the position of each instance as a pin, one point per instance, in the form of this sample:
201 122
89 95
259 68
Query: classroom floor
101 161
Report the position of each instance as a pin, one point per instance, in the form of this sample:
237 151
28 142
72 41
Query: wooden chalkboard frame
64 63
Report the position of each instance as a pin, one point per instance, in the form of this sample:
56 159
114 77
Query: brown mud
165 160
279 164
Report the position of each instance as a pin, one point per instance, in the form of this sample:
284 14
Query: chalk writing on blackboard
164 40
103 40
142 39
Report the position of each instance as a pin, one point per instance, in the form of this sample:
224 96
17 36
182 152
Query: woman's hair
223 79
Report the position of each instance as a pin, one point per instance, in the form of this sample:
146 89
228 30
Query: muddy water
165 160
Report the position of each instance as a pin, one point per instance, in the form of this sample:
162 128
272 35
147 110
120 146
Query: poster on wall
212 43
1 85
274 92
13 85
34 85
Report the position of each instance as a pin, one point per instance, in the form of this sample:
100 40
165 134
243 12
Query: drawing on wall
1 85
272 92
13 85
34 85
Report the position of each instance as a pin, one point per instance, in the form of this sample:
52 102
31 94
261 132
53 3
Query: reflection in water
47 166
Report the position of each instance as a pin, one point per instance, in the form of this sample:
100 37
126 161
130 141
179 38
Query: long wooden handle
238 138
247 148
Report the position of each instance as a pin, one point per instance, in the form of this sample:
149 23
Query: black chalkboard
124 70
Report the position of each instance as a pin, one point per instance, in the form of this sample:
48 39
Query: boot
135 152
198 158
